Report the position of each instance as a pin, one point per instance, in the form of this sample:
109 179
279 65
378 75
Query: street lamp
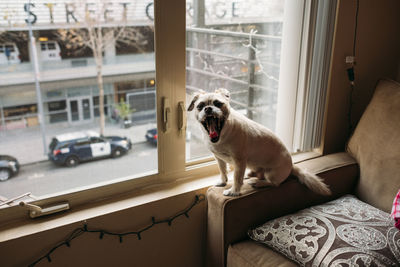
34 59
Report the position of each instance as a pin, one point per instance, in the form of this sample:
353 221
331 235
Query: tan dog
241 142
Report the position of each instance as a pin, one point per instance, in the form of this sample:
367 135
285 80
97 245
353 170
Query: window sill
303 156
26 227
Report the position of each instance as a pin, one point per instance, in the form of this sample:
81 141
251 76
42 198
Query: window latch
181 117
36 211
166 114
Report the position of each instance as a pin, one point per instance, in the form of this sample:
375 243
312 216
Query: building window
57 111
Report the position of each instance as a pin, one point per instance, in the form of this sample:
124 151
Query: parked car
72 148
151 136
9 167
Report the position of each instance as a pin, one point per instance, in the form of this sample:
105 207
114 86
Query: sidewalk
26 144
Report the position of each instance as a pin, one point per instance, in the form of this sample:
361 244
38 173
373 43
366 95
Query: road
44 178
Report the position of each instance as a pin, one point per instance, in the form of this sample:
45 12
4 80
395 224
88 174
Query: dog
236 140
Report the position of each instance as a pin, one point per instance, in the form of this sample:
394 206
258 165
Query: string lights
85 229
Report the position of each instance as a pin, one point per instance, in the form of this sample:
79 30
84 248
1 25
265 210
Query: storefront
75 105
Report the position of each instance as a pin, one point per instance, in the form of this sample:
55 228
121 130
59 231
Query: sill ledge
82 213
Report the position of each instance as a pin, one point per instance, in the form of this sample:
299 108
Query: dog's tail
312 181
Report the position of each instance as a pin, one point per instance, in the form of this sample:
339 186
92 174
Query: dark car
9 167
151 136
72 148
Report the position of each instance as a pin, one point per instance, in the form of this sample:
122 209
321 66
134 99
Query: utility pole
35 63
199 40
3 120
251 77
199 9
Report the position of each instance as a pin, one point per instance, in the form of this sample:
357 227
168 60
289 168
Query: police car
72 148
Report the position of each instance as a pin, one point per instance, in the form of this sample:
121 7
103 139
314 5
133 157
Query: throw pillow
343 232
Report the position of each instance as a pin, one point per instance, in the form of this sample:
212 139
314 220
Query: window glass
71 101
53 143
57 111
10 48
234 45
95 140
83 142
51 46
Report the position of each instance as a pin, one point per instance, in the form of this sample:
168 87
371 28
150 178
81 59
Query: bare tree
10 36
96 32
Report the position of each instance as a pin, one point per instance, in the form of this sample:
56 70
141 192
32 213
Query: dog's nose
208 110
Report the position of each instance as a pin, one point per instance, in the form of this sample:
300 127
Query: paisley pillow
343 232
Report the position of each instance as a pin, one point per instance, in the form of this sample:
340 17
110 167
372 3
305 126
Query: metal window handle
166 114
36 211
181 116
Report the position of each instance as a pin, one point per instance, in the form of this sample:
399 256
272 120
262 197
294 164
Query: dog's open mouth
213 126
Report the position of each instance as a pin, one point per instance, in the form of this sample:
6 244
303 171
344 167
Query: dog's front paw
231 193
220 184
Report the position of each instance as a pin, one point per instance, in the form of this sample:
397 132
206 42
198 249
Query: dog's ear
223 92
196 96
191 106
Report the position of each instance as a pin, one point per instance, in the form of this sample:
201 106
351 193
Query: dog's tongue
213 132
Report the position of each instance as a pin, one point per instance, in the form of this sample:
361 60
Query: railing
245 63
75 63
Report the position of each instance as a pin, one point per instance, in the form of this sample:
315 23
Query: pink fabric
397 224
396 210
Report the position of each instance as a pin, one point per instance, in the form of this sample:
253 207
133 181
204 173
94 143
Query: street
45 177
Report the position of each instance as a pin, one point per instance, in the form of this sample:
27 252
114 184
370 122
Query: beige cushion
251 254
343 232
375 145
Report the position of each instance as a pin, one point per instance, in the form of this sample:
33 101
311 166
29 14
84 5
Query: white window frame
303 83
170 47
289 70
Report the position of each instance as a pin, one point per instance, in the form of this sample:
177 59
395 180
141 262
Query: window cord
85 229
350 70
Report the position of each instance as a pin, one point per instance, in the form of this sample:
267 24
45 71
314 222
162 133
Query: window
10 48
264 63
82 143
240 45
51 46
243 58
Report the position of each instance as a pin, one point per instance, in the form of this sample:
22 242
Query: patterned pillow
343 232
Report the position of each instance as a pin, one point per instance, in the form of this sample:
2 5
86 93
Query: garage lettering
49 12
31 16
90 9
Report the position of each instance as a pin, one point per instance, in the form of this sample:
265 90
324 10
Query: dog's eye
200 106
217 103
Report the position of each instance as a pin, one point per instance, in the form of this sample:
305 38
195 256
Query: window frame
170 47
